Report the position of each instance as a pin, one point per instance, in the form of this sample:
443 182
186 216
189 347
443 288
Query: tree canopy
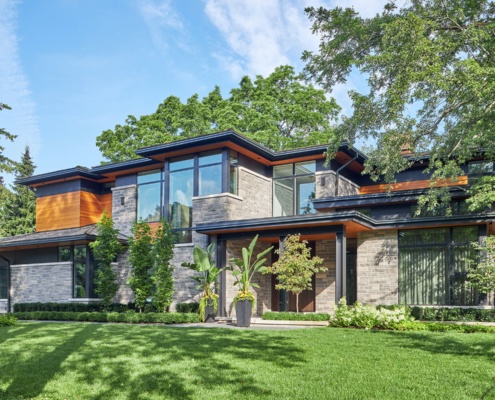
279 111
430 68
6 164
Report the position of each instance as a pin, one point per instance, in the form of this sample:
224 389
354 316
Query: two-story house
225 188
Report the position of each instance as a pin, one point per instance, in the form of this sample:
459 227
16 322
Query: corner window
234 172
181 191
210 173
294 188
149 195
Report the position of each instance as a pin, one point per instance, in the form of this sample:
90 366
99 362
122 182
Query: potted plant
206 278
243 270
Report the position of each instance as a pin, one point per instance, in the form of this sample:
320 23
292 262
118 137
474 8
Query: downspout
8 283
337 174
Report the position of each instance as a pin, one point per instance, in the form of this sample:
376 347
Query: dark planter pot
209 313
243 310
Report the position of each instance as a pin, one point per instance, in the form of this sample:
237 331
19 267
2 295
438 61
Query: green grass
110 361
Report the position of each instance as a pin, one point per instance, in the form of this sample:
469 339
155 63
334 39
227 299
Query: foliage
431 77
290 316
453 314
279 111
105 248
243 270
162 253
81 307
295 267
141 260
18 207
187 307
128 317
7 320
6 164
151 273
207 273
482 272
368 317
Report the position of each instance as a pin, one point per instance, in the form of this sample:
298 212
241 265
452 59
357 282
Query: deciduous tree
430 68
279 111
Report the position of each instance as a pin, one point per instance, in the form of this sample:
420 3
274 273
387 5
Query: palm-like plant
207 274
243 270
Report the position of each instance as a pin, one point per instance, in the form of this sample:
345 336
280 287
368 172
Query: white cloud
161 18
260 34
14 88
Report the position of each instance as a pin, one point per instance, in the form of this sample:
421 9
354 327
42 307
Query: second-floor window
294 188
150 196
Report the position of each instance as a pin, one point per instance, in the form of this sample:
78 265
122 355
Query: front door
283 301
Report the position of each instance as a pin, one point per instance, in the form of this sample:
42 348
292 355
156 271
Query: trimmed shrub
7 320
128 317
187 307
453 314
292 316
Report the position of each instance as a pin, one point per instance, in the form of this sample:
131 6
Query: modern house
225 188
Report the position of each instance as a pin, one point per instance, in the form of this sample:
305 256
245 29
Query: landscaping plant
162 253
207 273
295 267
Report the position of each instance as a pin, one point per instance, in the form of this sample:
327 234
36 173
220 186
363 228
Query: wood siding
70 210
411 185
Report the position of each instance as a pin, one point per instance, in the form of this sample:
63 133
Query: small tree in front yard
105 248
295 267
481 275
141 260
162 253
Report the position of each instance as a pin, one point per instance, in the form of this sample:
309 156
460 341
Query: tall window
150 196
83 267
210 173
181 192
294 188
234 172
3 281
433 265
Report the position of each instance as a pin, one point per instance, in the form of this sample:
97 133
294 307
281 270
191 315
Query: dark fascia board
77 172
295 220
363 200
124 165
53 240
241 140
339 217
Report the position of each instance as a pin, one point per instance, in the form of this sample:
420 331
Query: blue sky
73 68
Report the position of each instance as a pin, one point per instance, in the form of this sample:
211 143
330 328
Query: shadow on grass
117 361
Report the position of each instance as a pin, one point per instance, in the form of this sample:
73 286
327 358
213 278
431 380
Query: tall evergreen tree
18 206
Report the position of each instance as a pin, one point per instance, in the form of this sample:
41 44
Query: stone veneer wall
46 282
124 215
378 267
325 281
325 185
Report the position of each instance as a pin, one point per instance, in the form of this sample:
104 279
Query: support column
221 262
340 265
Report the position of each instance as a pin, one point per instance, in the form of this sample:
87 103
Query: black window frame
160 180
91 266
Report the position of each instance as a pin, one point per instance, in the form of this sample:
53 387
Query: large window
83 267
294 188
181 192
434 264
210 173
4 281
150 196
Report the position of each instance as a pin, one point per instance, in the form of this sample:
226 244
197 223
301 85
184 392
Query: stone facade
124 215
184 285
325 185
123 269
325 281
378 267
47 282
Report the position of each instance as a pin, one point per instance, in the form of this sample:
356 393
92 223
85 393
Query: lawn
105 361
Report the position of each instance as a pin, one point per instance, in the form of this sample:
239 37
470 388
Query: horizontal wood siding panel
93 206
59 211
411 185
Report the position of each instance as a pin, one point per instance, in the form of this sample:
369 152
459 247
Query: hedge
453 314
128 317
187 307
291 316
